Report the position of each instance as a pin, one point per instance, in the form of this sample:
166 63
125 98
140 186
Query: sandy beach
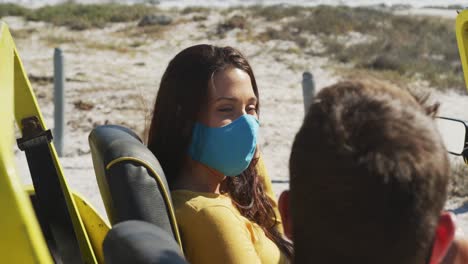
113 75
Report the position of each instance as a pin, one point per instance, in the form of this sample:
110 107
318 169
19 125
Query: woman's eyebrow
226 98
251 99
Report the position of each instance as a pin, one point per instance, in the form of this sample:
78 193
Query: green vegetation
194 9
451 7
79 16
12 10
231 23
412 46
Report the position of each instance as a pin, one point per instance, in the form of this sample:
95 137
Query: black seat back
140 242
131 181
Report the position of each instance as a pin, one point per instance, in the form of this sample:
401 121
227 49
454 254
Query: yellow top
214 231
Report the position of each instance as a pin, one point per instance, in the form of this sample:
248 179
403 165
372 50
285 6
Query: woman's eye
252 109
225 110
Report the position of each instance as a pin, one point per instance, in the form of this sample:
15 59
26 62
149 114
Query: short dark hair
369 177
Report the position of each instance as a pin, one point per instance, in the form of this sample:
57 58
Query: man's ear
444 235
284 208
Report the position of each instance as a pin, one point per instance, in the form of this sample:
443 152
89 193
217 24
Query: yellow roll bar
461 30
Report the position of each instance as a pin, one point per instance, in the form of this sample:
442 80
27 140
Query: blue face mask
228 149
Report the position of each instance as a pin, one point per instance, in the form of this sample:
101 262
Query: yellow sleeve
217 235
262 173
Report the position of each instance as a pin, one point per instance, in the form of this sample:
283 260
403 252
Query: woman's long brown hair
182 92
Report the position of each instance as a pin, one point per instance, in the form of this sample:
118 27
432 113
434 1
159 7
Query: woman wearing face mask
204 133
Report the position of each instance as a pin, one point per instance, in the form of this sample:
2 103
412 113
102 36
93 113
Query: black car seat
140 242
131 181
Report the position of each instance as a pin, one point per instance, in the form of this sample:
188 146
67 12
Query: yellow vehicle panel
22 240
95 226
461 30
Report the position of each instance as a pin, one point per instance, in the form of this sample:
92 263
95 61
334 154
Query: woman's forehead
231 82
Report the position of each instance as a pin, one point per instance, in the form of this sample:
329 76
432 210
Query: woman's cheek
219 120
224 122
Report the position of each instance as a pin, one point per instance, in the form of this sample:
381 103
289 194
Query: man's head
369 177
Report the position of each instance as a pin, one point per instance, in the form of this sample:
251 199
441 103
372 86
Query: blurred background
116 51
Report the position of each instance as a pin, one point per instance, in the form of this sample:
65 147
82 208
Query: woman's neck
197 177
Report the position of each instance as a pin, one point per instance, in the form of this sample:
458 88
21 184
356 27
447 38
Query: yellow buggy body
22 240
